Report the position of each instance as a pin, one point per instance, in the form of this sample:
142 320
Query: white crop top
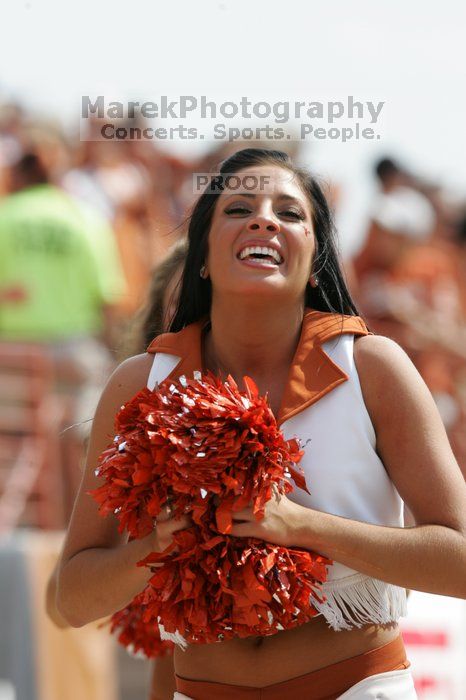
346 477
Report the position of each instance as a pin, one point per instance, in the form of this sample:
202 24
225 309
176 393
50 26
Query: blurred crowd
86 224
409 281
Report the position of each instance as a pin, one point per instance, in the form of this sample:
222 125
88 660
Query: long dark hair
330 295
151 320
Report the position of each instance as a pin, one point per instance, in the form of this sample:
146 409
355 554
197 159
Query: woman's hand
280 524
166 526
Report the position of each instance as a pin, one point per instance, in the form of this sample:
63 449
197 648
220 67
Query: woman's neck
252 340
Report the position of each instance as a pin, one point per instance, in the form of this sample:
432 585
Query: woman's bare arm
98 573
414 447
163 684
51 601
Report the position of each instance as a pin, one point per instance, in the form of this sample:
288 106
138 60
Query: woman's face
261 241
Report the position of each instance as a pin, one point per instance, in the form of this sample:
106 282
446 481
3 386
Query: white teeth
254 250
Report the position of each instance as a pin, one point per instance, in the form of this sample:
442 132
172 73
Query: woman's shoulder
378 353
389 379
378 357
127 379
133 371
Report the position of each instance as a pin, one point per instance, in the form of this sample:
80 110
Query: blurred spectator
400 215
59 279
399 207
135 186
411 287
59 269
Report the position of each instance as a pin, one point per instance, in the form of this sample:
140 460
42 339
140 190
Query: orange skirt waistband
326 683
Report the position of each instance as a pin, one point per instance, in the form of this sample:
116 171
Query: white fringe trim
174 637
359 600
352 601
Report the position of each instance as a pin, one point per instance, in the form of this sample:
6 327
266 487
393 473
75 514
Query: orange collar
312 372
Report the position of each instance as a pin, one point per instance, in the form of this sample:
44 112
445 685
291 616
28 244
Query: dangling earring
202 272
316 281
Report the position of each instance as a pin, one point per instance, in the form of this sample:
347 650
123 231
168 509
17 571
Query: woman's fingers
238 530
180 523
165 514
166 528
245 514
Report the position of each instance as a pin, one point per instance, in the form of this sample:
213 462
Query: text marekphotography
189 117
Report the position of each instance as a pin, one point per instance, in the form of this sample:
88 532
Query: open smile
265 264
260 256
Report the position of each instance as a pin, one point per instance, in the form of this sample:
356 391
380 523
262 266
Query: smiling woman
295 202
262 294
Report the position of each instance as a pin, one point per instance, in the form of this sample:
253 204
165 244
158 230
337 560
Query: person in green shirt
60 276
59 264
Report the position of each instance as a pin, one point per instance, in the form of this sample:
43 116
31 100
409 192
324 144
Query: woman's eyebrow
240 194
289 198
251 195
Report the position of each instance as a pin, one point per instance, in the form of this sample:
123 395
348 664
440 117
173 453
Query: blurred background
86 224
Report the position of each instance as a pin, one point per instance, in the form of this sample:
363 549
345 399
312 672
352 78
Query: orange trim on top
312 375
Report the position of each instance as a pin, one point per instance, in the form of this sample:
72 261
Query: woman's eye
237 210
294 214
289 212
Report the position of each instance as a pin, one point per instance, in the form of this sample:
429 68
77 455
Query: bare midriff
261 661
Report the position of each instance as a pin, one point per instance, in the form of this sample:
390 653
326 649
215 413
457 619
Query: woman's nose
263 223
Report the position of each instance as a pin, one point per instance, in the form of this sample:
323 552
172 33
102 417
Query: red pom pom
136 635
210 450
